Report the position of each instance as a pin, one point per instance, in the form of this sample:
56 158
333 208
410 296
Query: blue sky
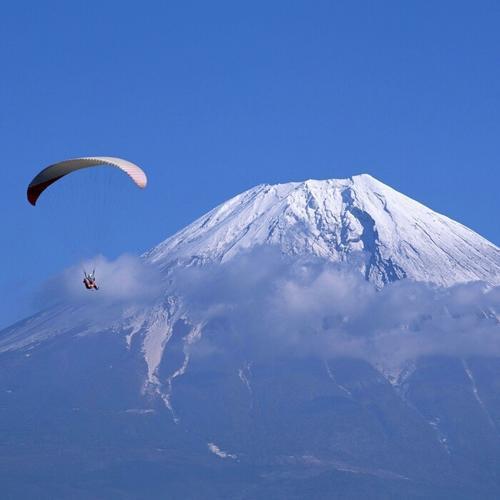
212 98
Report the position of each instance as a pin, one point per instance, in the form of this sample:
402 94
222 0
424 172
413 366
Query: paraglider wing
54 172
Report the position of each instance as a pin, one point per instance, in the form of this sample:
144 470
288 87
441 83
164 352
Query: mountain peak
385 234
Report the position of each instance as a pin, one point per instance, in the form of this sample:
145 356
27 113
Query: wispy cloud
127 279
271 304
262 304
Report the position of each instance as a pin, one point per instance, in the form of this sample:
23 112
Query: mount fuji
314 339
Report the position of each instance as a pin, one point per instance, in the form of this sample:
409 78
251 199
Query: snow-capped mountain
267 377
383 232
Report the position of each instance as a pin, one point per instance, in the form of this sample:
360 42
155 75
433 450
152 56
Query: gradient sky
212 98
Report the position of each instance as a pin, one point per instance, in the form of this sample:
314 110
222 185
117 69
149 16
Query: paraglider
55 172
89 281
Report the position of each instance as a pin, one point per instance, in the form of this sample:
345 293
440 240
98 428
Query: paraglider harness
89 281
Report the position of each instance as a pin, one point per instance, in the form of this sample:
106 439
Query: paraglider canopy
54 172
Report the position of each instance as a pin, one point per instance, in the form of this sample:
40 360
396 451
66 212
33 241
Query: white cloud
263 304
127 279
274 305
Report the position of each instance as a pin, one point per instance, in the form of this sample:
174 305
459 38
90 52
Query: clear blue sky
215 97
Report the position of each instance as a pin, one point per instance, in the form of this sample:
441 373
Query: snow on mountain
360 220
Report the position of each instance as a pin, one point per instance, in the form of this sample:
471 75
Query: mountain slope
274 375
388 235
